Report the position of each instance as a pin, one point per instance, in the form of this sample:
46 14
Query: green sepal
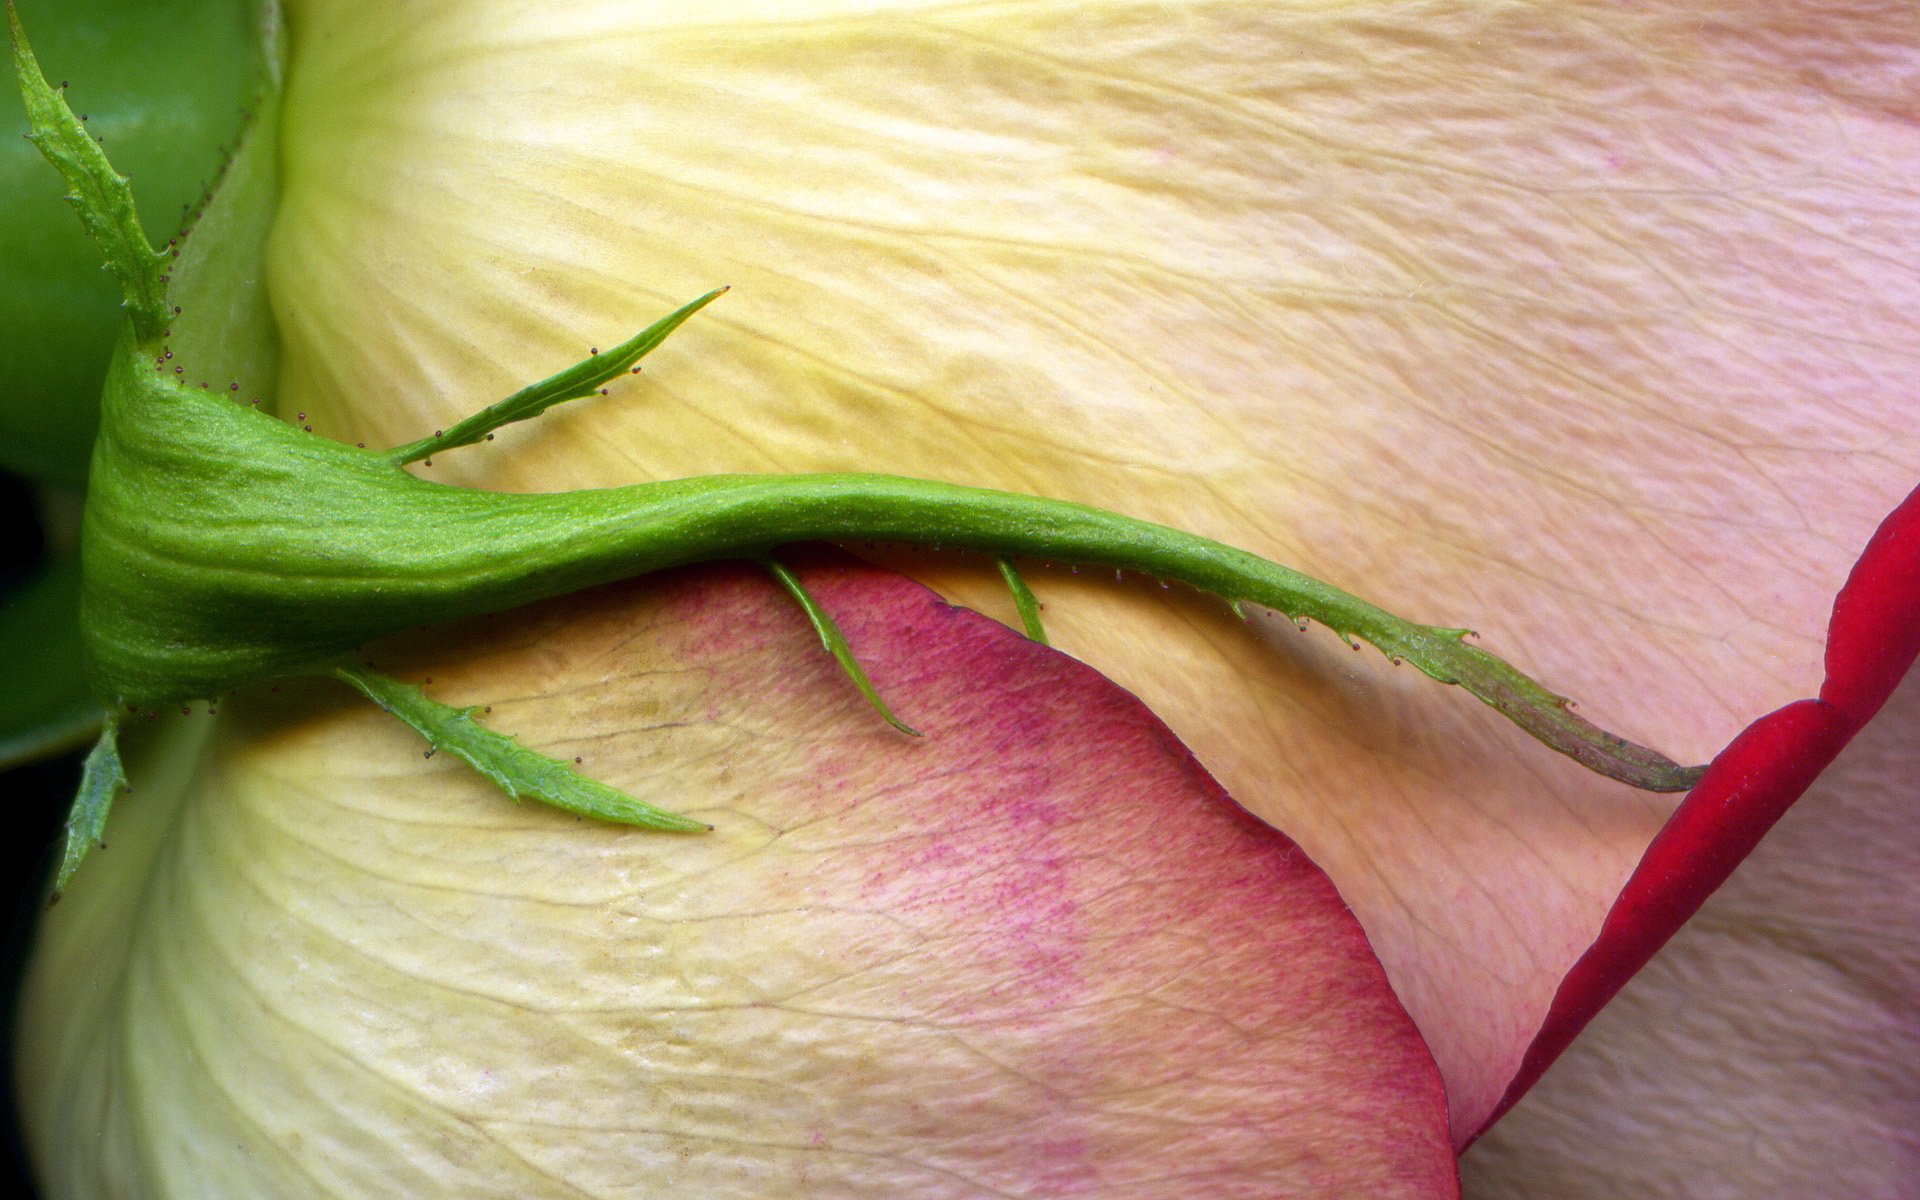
169 84
99 193
582 379
835 642
1024 601
511 767
101 781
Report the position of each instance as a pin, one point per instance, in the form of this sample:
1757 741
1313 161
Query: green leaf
45 706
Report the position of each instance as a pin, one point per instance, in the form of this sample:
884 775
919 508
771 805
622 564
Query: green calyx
222 546
168 84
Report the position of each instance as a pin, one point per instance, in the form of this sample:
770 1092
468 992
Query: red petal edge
1873 638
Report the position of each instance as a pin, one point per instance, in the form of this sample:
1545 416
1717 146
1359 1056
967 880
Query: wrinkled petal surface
1770 1049
1872 642
1037 953
1590 325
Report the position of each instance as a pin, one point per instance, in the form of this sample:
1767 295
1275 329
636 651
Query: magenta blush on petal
1035 952
1103 906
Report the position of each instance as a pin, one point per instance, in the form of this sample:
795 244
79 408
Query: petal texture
1037 953
1773 1047
1561 320
1872 642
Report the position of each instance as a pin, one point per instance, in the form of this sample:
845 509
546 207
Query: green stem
222 547
225 546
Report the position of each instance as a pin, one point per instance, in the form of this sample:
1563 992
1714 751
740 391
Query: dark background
34 799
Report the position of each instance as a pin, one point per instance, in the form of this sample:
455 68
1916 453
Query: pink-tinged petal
1036 953
1773 1047
1588 324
